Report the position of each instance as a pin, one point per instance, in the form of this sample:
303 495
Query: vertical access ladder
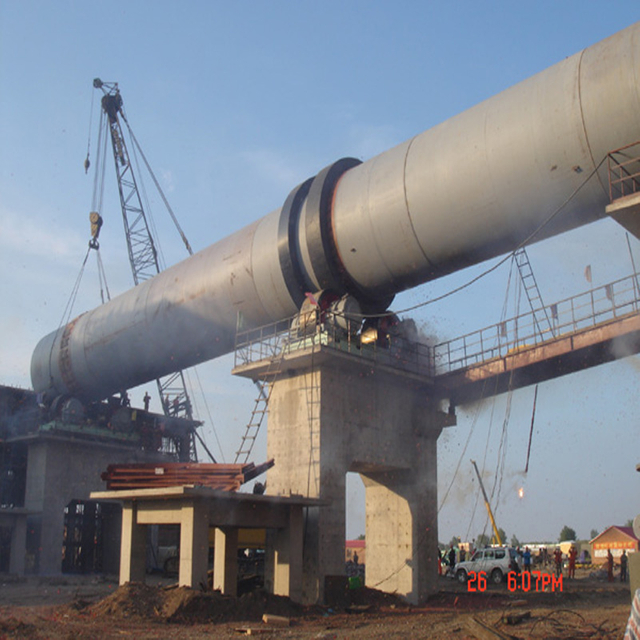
541 319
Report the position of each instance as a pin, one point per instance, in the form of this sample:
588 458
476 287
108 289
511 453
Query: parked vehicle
495 562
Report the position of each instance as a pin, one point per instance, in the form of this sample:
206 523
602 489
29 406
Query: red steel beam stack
228 477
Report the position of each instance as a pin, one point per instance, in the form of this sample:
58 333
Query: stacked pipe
226 477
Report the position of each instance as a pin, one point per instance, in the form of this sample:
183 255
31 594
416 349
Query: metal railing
586 310
306 331
624 171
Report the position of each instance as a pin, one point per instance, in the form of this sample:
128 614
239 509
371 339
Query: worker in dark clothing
609 565
146 400
513 563
623 566
452 558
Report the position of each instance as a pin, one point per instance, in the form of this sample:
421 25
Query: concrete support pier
331 413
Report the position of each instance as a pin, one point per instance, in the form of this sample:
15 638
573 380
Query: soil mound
184 605
133 599
187 606
375 598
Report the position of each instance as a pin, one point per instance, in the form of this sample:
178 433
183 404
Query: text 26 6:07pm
524 581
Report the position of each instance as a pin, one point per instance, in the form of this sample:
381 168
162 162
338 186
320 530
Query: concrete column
133 546
401 530
225 561
194 544
18 545
634 572
287 547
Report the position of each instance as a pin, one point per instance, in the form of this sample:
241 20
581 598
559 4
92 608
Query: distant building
352 547
614 538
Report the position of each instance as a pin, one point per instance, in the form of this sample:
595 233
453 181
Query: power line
511 254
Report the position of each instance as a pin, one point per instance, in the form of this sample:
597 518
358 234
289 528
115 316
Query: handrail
585 310
624 171
304 331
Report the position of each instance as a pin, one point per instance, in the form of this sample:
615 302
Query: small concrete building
198 510
615 538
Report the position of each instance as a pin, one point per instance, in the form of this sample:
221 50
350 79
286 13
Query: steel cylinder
469 189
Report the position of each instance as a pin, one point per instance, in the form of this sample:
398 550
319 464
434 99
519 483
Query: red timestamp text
533 581
525 581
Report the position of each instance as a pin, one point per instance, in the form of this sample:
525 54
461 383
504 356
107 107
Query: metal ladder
312 393
540 317
260 409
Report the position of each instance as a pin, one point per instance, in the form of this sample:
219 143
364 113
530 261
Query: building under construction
52 458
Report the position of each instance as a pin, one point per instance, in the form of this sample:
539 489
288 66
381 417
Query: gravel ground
91 608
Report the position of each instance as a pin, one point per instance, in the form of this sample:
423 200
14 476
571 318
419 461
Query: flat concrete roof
192 491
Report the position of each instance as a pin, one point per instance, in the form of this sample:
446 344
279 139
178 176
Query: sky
234 104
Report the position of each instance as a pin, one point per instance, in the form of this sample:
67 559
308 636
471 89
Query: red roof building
615 538
353 547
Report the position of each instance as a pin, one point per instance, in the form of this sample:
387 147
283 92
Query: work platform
597 326
531 364
591 328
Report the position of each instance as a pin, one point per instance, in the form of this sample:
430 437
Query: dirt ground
86 608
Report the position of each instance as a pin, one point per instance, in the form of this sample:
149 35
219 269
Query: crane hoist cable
528 240
157 184
87 162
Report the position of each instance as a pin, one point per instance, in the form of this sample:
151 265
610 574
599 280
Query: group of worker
624 564
448 558
524 559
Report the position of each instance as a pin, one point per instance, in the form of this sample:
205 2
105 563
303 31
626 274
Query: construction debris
276 621
516 618
227 477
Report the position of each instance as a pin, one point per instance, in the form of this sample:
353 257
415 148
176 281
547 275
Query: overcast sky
235 103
